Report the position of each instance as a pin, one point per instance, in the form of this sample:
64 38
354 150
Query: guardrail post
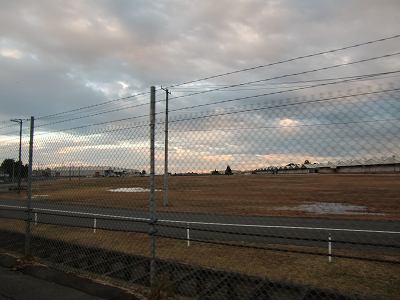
29 199
188 234
330 248
94 225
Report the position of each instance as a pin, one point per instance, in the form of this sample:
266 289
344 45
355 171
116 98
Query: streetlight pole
19 154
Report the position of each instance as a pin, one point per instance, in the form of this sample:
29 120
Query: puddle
131 190
330 208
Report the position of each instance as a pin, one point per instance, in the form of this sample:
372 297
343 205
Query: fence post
152 204
29 200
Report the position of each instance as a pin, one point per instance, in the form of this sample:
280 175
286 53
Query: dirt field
273 195
238 195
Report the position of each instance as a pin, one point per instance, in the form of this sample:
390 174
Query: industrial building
368 166
85 171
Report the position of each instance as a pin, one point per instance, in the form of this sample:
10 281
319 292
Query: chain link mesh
274 195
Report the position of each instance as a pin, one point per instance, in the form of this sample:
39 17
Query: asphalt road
271 230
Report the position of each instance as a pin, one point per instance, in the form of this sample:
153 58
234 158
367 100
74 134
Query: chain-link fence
14 181
262 189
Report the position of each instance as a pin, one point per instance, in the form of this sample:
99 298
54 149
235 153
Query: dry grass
236 195
351 276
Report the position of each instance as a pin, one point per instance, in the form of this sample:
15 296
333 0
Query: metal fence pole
152 204
29 200
19 157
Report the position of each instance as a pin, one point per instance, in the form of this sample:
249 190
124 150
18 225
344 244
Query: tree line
13 168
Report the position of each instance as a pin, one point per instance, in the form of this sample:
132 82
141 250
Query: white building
92 171
367 166
370 166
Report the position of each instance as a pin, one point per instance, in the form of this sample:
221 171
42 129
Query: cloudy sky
57 56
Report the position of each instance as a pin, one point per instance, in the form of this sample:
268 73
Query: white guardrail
127 218
95 216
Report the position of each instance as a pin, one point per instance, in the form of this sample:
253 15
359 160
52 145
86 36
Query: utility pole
152 202
165 189
19 154
29 189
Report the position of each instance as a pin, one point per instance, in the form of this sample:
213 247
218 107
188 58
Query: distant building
370 166
293 169
87 171
367 166
326 168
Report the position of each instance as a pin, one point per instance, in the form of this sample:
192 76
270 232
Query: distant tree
47 172
228 170
306 162
9 166
215 172
25 170
143 172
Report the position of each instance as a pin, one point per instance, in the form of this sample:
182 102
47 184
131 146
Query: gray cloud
57 55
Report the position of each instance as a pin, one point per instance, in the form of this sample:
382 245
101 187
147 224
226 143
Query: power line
289 75
261 95
146 115
282 105
228 73
96 109
94 114
290 60
103 131
278 85
7 126
290 104
93 105
292 126
91 125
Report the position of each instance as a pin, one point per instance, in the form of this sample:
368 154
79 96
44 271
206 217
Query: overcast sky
56 56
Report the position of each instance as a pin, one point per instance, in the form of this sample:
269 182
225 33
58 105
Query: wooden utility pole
165 189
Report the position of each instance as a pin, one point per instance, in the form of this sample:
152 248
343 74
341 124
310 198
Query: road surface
272 230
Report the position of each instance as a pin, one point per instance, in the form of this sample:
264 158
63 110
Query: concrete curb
66 279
